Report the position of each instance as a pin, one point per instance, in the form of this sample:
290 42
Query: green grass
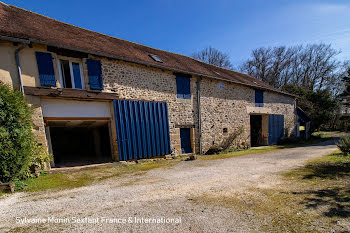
317 137
327 134
332 166
70 180
312 198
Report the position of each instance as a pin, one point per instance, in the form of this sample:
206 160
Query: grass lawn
313 198
75 179
316 138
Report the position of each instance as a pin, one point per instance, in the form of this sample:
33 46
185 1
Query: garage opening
256 130
77 143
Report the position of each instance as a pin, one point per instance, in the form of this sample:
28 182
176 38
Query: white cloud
330 8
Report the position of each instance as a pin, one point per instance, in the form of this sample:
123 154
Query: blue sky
185 26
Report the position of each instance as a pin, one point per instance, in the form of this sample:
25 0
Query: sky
187 26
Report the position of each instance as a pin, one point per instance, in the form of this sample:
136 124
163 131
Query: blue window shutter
95 74
183 86
179 87
45 68
259 98
77 75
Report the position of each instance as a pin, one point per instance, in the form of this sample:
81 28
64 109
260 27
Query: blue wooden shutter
259 98
276 128
77 75
183 87
46 70
95 74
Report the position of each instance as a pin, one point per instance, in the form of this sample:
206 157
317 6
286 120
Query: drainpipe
19 66
199 114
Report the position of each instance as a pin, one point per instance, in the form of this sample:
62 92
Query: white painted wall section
72 108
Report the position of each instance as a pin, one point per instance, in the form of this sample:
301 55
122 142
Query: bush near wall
17 144
344 145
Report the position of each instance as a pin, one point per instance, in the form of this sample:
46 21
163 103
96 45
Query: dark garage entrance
76 143
256 130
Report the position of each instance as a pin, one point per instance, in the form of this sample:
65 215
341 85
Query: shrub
227 145
17 142
39 158
344 144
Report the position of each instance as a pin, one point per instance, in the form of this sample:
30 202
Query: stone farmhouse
96 98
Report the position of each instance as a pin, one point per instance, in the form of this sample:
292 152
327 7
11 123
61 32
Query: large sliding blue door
142 129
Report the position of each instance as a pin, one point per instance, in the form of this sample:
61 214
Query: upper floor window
183 87
259 98
71 75
70 72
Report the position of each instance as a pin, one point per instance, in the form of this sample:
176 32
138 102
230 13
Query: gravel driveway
166 193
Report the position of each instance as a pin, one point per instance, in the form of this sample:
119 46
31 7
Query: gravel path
160 193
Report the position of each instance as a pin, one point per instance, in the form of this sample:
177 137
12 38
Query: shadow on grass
334 202
327 169
331 194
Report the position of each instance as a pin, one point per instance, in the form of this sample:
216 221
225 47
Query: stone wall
228 106
37 118
225 107
132 81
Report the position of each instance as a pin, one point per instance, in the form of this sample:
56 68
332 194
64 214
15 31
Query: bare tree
213 56
313 66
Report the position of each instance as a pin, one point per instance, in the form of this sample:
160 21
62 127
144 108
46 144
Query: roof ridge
99 32
179 62
125 40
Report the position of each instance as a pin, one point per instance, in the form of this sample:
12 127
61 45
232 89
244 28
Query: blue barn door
185 137
276 128
142 129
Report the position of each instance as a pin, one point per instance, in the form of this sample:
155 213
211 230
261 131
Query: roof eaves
28 40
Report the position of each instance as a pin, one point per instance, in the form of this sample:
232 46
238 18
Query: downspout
199 114
19 66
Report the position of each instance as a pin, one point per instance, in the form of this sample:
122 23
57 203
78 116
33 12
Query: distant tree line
214 57
313 66
312 71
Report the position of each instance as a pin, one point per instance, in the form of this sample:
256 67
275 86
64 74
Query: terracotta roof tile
21 23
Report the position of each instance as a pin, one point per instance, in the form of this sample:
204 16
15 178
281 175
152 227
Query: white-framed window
71 74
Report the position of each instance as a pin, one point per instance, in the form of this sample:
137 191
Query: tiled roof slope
20 23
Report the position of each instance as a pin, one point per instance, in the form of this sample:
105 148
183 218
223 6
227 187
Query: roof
303 117
23 24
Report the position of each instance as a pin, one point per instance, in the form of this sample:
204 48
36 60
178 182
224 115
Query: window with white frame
71 75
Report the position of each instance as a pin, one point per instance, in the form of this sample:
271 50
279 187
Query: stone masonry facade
132 81
224 106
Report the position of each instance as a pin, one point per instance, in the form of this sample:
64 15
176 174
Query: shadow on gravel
312 143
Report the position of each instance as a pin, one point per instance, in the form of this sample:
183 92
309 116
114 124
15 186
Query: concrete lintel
258 110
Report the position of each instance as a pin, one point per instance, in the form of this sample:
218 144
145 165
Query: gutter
144 63
199 115
24 44
19 66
